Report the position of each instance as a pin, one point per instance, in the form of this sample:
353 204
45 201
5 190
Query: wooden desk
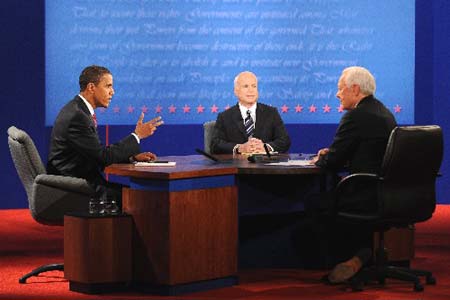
185 225
186 216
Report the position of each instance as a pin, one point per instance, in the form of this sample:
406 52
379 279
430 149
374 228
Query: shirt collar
252 110
89 106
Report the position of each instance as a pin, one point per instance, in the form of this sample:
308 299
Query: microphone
265 158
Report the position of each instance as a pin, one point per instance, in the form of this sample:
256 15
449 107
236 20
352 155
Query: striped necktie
249 125
94 118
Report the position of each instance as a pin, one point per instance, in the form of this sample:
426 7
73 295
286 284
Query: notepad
300 162
156 164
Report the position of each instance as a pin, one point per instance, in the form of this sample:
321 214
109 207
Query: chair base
381 273
42 269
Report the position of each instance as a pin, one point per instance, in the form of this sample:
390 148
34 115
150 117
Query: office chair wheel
430 280
418 287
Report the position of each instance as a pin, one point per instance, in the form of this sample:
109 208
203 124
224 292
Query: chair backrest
208 131
26 158
410 166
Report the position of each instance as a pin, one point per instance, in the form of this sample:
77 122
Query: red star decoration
186 109
172 109
200 109
144 109
227 107
214 109
312 108
397 109
116 109
340 108
284 108
130 109
158 109
298 108
326 108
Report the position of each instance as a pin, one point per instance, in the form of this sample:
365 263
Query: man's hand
319 154
145 157
323 151
253 145
146 129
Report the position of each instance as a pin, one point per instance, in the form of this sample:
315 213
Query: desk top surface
191 166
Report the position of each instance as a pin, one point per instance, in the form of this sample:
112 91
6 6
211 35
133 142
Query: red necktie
94 118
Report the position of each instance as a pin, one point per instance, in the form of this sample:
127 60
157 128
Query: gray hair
239 75
362 77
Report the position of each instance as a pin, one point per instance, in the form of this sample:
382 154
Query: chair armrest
349 179
348 184
73 184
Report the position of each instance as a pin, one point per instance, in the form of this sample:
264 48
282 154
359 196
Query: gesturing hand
146 129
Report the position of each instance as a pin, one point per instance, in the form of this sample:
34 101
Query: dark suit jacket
229 129
76 150
361 138
360 143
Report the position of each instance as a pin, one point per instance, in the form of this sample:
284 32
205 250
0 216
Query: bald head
246 88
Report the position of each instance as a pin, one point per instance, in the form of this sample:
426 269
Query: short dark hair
92 74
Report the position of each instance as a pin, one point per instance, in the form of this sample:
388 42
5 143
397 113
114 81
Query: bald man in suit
232 134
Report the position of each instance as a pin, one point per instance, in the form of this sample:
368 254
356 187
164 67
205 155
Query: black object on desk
212 157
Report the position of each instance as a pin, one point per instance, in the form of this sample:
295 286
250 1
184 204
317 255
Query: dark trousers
324 240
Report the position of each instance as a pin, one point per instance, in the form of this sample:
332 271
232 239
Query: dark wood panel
204 234
150 212
97 250
184 236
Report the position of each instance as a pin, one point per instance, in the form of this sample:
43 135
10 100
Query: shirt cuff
270 147
236 149
138 140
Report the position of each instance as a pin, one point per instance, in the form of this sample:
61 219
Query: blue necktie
249 125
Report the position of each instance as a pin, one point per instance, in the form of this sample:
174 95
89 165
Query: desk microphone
265 158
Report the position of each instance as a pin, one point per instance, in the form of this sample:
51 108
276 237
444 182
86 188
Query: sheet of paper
293 162
155 164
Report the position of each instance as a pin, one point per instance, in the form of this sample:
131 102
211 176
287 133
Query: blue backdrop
178 59
22 92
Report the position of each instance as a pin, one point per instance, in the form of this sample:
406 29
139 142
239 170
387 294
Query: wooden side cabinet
97 252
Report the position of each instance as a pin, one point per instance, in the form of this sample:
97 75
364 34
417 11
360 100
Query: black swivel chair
49 196
405 194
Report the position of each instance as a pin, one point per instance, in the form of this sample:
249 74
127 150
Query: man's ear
90 87
356 89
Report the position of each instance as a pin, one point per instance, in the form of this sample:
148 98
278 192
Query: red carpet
24 244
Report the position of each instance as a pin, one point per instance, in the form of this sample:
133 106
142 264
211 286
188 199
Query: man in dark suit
359 145
247 126
75 147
